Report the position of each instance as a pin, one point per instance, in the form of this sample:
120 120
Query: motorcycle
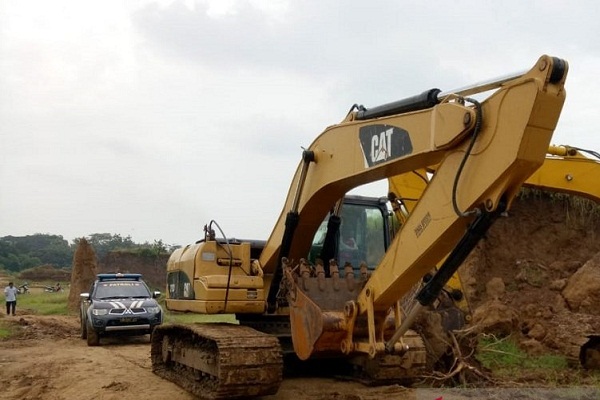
24 288
53 289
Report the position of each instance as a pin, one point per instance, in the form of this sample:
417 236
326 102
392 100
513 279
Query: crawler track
389 369
217 361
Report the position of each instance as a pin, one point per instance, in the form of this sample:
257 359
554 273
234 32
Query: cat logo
381 143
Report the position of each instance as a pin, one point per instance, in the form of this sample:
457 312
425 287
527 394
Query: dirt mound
537 276
83 272
36 327
152 267
582 291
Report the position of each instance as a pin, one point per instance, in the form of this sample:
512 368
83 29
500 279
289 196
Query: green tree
103 243
21 252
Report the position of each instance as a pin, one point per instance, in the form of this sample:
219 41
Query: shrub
45 273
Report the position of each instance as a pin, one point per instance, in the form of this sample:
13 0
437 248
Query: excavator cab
361 233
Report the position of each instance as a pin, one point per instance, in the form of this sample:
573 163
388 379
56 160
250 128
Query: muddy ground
47 360
536 277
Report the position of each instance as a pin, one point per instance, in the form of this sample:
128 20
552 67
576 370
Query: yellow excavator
571 170
483 150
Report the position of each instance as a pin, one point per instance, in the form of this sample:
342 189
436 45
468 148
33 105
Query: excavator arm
484 153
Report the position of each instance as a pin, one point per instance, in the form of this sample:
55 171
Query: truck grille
123 311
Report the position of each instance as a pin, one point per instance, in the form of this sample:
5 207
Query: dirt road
49 361
46 359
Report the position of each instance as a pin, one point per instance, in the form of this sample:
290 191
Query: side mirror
84 296
156 294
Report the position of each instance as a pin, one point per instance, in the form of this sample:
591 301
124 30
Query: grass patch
44 303
5 330
505 357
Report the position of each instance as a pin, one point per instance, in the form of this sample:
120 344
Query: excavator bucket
318 324
321 316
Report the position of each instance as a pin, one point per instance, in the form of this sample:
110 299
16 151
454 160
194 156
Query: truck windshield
125 289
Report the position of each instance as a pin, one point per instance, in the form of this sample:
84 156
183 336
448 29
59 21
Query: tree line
18 253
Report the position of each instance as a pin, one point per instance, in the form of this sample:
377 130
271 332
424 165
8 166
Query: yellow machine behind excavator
566 169
483 150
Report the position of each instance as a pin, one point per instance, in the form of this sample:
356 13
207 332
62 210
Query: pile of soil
536 275
83 272
41 327
153 268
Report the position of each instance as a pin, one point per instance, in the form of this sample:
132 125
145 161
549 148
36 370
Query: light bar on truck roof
117 276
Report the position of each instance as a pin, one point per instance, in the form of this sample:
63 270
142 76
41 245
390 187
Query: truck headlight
100 311
153 310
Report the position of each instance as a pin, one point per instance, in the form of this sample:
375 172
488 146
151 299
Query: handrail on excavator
432 97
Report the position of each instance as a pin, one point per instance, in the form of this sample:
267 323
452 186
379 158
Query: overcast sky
151 118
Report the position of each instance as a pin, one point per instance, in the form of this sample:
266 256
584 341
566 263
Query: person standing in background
10 293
